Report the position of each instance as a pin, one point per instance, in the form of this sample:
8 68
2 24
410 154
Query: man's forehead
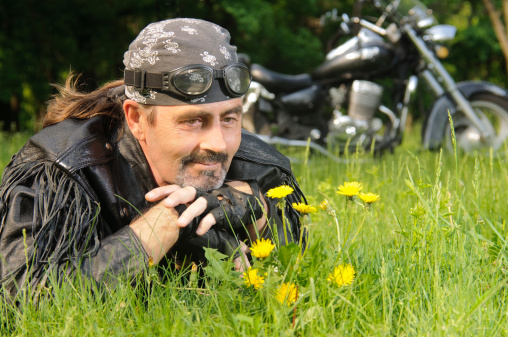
218 108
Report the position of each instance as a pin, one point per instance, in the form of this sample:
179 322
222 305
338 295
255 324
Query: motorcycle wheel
493 112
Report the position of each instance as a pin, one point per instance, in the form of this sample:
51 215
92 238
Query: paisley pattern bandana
170 44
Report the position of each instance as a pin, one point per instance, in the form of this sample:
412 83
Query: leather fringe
64 227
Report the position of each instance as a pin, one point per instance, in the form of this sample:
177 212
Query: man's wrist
157 231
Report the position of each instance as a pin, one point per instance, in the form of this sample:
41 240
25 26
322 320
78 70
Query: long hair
71 103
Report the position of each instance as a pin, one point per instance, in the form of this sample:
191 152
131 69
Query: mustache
219 157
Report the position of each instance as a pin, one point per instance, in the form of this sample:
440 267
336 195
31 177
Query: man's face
193 145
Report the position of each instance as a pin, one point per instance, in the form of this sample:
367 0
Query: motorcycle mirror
345 27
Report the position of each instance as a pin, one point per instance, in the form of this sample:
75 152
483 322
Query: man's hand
225 243
226 206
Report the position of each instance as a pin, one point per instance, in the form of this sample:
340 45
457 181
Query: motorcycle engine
359 124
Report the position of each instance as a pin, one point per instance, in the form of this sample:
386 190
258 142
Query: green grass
430 259
10 144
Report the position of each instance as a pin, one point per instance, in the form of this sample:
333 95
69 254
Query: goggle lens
238 79
193 81
196 80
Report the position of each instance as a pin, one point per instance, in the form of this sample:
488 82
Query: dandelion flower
262 248
343 274
279 192
350 189
324 205
287 293
369 198
303 208
251 278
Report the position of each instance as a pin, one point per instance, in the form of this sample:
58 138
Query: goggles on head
192 80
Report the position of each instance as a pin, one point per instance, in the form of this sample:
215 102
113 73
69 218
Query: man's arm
157 230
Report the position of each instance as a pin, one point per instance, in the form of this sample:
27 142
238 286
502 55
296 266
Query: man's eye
192 121
229 119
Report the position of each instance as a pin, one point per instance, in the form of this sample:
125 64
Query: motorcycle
340 105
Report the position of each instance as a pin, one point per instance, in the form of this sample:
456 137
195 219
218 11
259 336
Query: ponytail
71 103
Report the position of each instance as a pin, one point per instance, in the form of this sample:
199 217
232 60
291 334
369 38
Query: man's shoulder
253 149
74 143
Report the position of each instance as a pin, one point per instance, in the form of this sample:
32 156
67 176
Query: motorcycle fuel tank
360 56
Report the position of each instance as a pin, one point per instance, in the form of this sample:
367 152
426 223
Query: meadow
429 259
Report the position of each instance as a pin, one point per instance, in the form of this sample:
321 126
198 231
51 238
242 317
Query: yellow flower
287 293
303 208
324 205
262 248
279 192
343 274
369 198
251 278
350 189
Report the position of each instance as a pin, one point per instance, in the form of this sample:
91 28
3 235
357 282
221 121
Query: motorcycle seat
277 82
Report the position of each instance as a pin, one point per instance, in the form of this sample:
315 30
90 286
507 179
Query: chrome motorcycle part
364 99
448 81
342 128
432 82
338 96
412 83
393 33
422 17
315 134
364 37
493 111
440 33
304 143
369 25
433 132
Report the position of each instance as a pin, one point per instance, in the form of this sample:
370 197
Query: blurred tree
41 41
499 27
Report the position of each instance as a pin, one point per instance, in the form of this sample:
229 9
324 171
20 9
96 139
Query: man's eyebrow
203 113
236 110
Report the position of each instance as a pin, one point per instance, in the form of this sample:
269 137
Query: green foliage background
41 41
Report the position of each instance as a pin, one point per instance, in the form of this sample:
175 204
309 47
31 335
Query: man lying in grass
148 169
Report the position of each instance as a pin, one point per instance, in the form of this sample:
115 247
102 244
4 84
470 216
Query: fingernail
199 231
149 195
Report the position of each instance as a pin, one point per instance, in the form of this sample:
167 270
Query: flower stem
338 230
360 227
283 204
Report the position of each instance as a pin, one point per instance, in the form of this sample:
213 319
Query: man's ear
136 118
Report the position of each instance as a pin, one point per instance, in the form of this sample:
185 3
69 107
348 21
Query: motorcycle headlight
440 33
441 51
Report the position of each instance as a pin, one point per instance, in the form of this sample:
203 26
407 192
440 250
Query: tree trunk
499 28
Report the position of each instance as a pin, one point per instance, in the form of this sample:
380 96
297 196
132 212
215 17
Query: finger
182 195
195 209
241 186
160 193
205 224
241 263
243 247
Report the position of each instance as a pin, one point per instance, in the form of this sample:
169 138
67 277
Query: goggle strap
219 73
142 80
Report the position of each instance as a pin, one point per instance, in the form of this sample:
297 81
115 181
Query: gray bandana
167 45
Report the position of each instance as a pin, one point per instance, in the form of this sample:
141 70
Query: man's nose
213 139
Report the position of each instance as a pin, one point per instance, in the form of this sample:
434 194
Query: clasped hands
230 209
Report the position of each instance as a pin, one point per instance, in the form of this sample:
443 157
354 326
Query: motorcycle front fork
461 102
